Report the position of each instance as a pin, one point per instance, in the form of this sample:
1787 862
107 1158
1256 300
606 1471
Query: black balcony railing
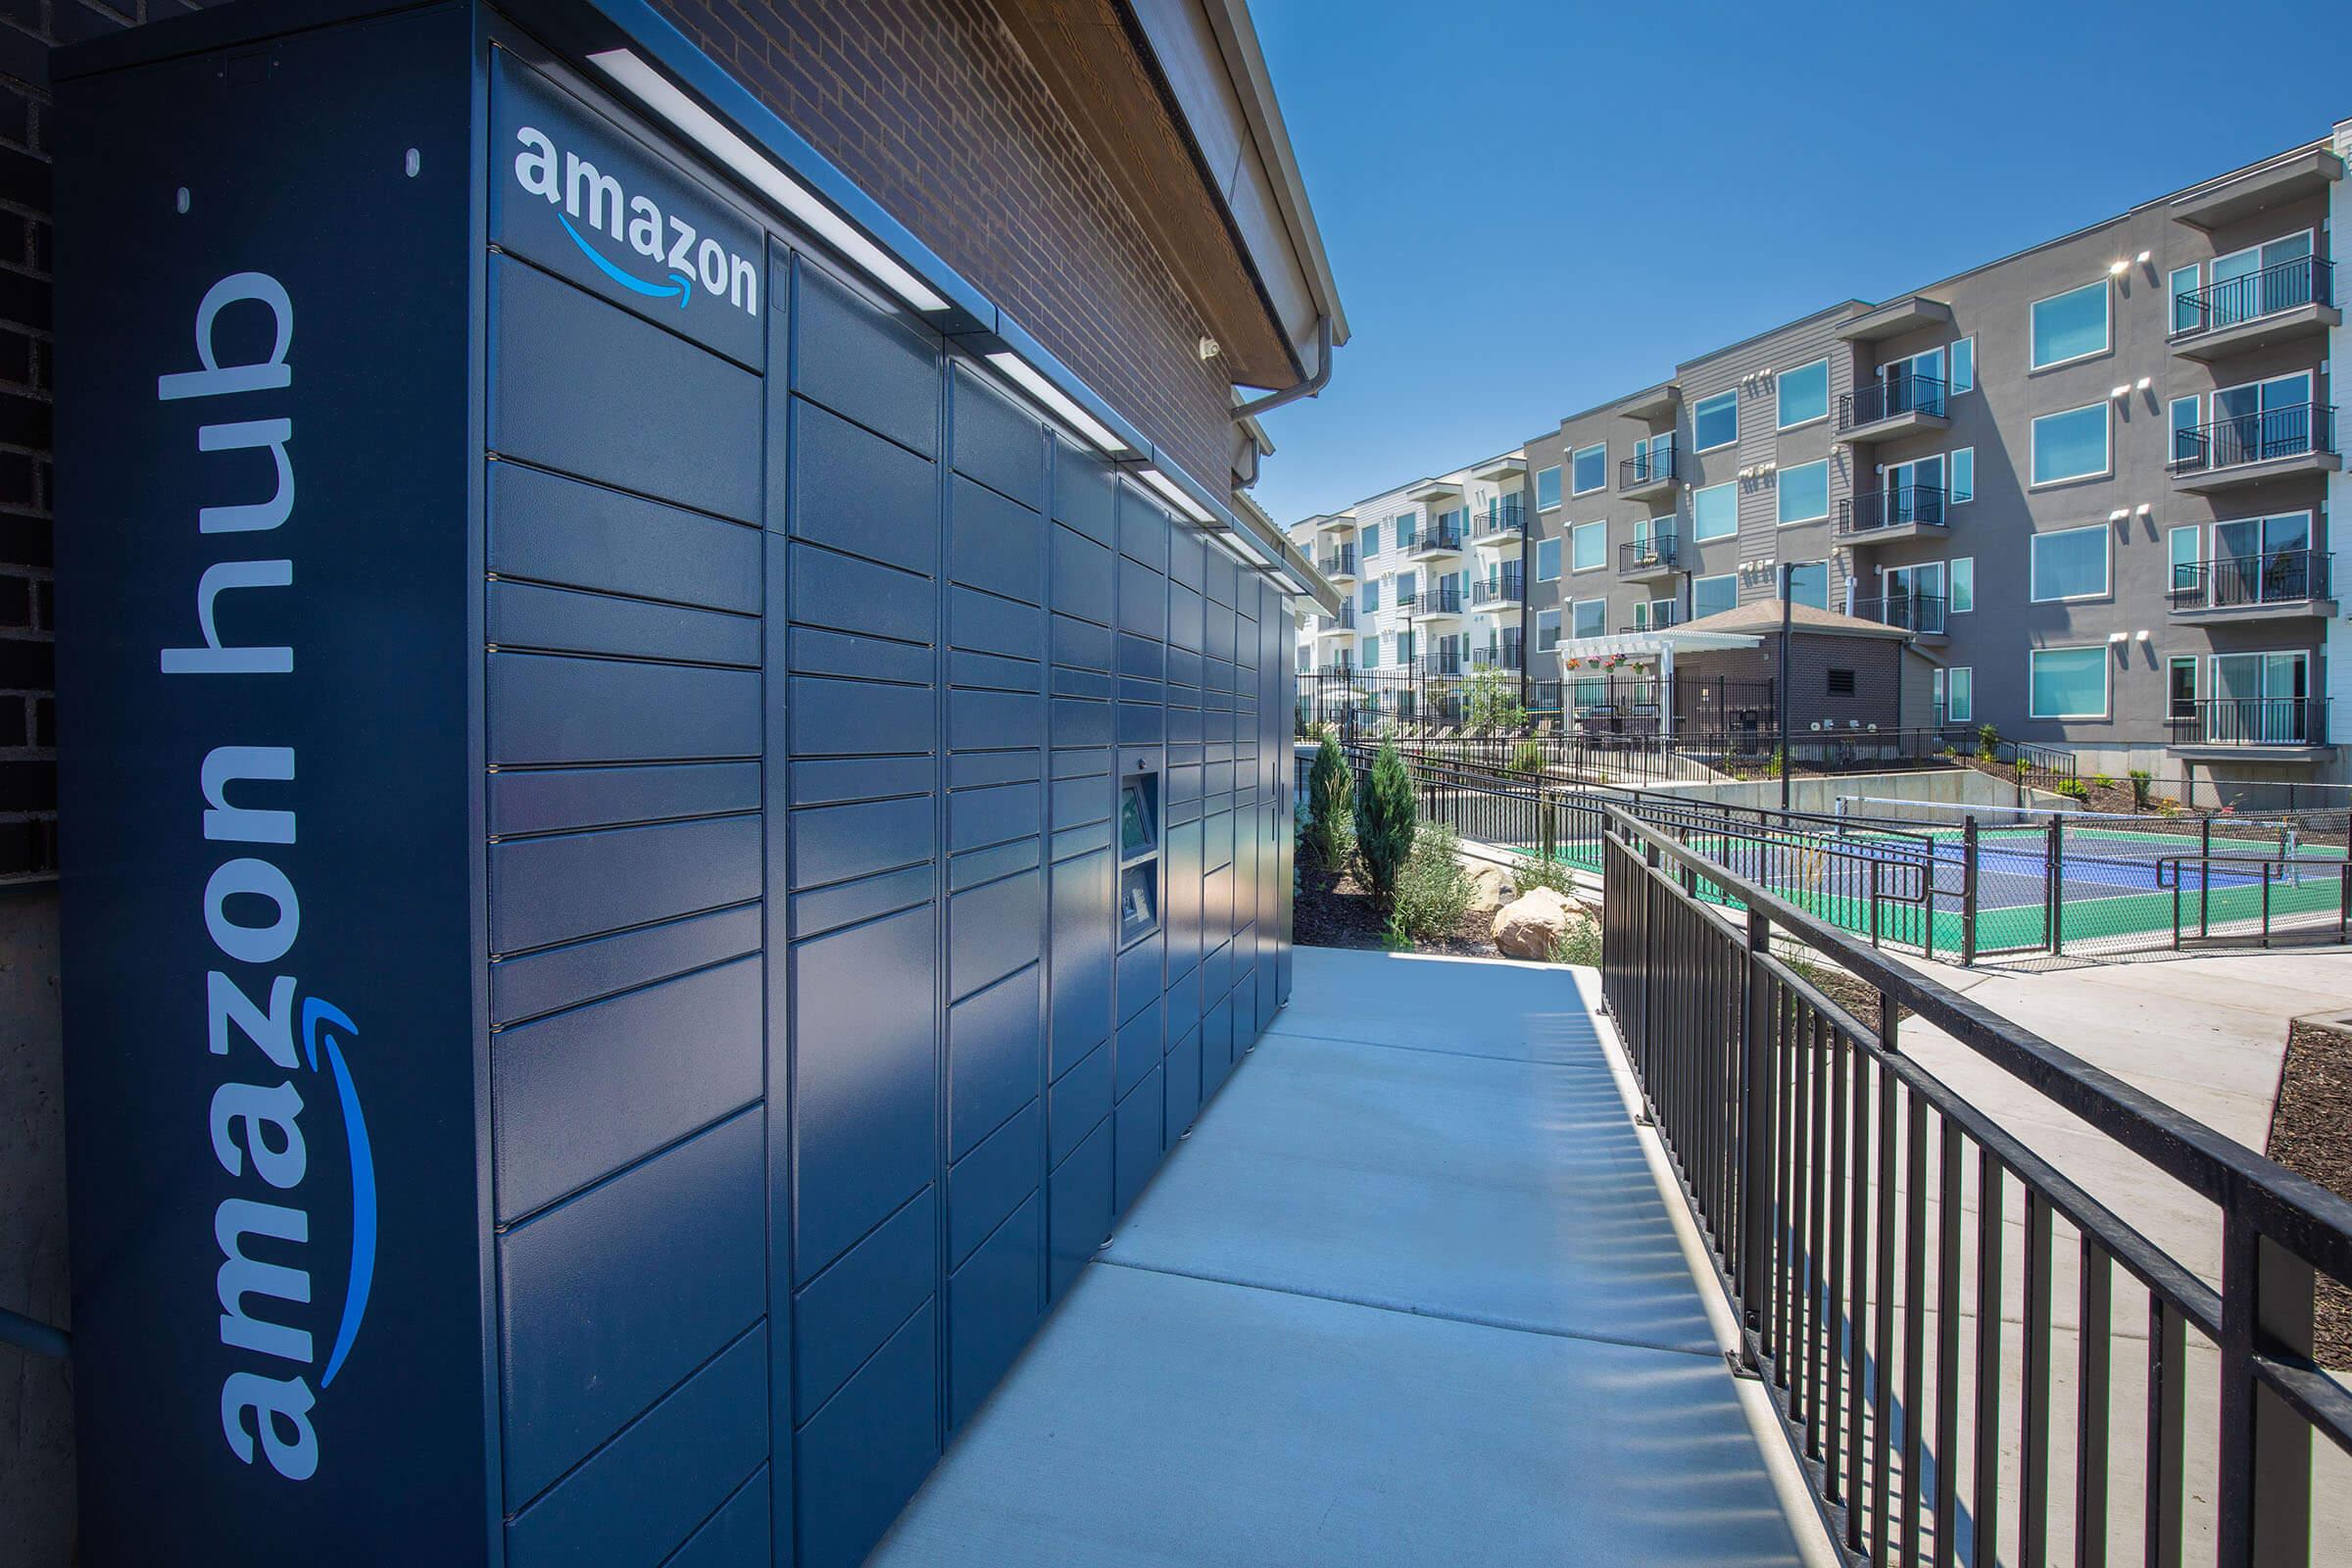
1435 536
1345 620
2282 432
2305 280
1657 617
1339 563
1920 613
2251 721
1504 517
1486 591
2236 583
1890 399
1646 555
1436 599
1895 507
1503 654
1647 467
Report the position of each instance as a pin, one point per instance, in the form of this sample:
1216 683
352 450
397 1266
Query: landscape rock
1492 889
1529 925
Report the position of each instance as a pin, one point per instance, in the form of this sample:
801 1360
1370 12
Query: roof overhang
1652 644
1896 318
2300 174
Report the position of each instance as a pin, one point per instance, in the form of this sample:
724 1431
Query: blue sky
1508 188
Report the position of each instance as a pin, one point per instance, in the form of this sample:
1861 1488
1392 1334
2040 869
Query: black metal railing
1345 620
2273 433
1657 617
1894 506
1339 563
1434 598
2234 301
1652 554
2234 582
1874 1230
1501 654
2250 721
1890 398
1504 590
1651 466
1919 612
1504 517
1435 536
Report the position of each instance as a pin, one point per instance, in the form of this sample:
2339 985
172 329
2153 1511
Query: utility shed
667 814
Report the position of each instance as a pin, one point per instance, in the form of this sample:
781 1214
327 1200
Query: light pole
1780 685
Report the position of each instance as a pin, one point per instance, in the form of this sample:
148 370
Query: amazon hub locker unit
653 856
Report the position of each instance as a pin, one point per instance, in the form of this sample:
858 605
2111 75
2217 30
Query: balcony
1489 594
1433 539
2291 728
1338 564
1643 560
1501 529
1498 654
1335 625
1335 522
2249 448
1919 614
2279 585
1649 474
1656 617
1897 405
1899 511
1431 603
2295 299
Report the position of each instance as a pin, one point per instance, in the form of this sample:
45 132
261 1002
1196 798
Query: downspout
1307 388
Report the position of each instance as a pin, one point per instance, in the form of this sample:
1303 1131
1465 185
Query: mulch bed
2311 1134
1333 911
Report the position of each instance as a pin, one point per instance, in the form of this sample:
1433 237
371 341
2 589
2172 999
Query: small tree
1387 818
1988 742
2142 783
1330 801
1492 702
1433 891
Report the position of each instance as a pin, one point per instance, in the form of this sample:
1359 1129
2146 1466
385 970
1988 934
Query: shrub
1528 872
1434 890
1527 757
2141 783
1492 702
1778 766
1579 942
2074 789
2100 781
1386 815
1988 742
1330 791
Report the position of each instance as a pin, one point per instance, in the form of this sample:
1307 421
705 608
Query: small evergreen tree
1330 792
1386 819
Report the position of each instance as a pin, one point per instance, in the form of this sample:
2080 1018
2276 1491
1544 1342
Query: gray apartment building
2092 481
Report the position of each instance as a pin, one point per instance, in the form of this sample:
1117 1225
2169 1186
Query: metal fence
1973 1360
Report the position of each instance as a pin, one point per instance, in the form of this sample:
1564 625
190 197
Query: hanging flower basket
1572 663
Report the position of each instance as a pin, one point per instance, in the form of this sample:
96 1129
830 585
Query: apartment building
1432 575
2092 479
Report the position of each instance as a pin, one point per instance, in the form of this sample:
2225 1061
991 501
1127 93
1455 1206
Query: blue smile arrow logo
681 284
363 1173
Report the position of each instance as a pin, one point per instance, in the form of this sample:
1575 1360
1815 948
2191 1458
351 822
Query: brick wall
932 108
1877 663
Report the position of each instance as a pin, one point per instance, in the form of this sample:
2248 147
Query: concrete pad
1495 1191
1484 1006
1170 1421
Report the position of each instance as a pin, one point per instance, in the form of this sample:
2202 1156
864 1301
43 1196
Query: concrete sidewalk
1411 1293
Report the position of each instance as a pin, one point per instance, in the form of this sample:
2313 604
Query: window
1590 617
2071 445
1592 467
1402 524
1959 695
1712 596
2071 327
2188 441
2180 283
1715 421
1588 546
1548 559
1407 582
1715 511
1804 492
1802 395
1808 583
1548 488
1964 476
1841 683
1964 584
1371 540
1403 644
1548 630
1964 364
1139 857
2185 550
2069 683
2254 281
2181 686
1371 594
2071 563
1371 652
